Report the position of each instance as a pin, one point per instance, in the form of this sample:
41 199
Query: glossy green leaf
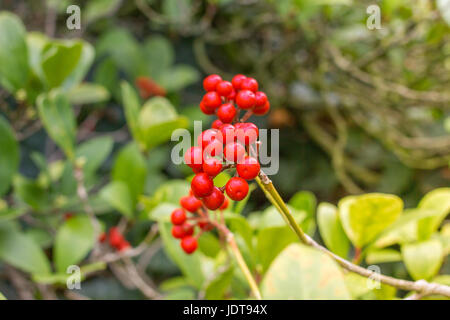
157 120
364 217
132 106
190 265
217 288
130 168
377 256
22 252
94 152
75 238
178 77
270 242
87 93
301 272
439 201
331 230
14 69
423 259
117 194
159 55
58 118
9 156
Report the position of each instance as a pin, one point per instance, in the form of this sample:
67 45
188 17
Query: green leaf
14 69
9 156
58 118
94 152
87 93
81 69
270 242
178 77
301 272
423 259
157 120
217 288
96 9
364 217
162 211
177 11
59 59
190 265
172 191
331 229
31 192
75 238
117 194
209 245
22 252
272 218
11 213
2 297
439 201
132 108
130 168
376 256
159 54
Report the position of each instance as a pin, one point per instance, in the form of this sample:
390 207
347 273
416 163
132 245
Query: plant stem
421 286
241 262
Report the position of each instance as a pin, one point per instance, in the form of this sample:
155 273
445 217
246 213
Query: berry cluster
229 143
115 239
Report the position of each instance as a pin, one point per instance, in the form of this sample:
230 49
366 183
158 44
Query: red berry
202 185
227 133
206 137
224 88
212 100
234 152
226 113
216 124
225 204
206 110
102 237
178 216
190 203
232 95
115 237
215 200
211 81
262 110
237 81
237 188
189 244
249 168
177 232
188 229
245 99
246 133
260 99
249 84
214 148
194 158
212 166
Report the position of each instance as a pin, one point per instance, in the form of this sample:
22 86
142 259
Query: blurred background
361 99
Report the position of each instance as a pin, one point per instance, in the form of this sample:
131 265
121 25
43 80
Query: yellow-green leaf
423 259
331 229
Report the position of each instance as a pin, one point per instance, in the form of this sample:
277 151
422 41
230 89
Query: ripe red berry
188 229
245 99
189 244
216 124
237 188
177 231
206 110
237 81
249 84
115 237
259 111
214 148
226 112
224 88
232 95
178 216
227 133
212 100
214 200
206 137
234 152
194 158
246 132
202 185
260 99
190 203
212 166
205 225
249 168
225 204
211 81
